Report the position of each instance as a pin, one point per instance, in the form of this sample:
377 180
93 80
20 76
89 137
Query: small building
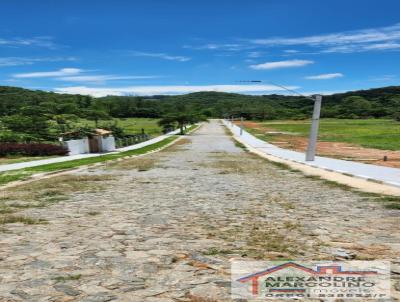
100 140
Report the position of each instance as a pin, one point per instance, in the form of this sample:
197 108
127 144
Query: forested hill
380 102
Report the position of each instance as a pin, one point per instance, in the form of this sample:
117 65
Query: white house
100 141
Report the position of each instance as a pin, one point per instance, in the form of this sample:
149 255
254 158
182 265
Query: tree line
32 113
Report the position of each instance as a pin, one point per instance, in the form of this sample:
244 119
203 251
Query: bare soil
338 150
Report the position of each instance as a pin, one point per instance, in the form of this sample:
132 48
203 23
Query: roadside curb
356 182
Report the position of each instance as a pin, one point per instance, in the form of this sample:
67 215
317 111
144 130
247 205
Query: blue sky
176 46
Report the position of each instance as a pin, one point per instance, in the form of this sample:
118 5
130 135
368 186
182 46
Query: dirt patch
49 191
234 164
140 164
337 150
178 145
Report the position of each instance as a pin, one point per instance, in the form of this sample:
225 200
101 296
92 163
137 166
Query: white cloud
49 74
45 42
382 46
382 38
77 75
361 36
362 47
155 90
254 54
222 46
371 39
160 55
19 61
384 78
281 64
326 76
102 78
290 51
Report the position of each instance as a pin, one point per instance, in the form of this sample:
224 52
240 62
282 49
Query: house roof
100 131
97 131
336 269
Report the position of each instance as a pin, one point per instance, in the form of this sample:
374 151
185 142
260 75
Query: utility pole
317 99
312 142
241 125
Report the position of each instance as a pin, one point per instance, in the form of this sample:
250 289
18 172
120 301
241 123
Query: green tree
181 119
96 115
357 105
37 127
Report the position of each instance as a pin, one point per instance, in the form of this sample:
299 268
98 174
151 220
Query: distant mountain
378 102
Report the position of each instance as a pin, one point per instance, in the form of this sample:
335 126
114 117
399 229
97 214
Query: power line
277 85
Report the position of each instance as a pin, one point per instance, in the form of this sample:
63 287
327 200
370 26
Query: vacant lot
360 140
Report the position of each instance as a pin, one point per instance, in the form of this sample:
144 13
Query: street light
241 125
317 99
312 141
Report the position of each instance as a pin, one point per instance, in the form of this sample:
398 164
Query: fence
131 140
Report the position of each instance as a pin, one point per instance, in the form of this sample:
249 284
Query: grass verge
23 174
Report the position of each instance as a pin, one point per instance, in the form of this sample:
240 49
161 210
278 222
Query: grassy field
131 125
371 133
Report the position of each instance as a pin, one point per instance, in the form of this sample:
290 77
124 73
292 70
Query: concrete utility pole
317 99
312 142
241 125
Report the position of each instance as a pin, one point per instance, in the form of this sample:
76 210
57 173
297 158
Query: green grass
372 133
23 174
11 176
191 128
68 278
393 206
21 219
130 125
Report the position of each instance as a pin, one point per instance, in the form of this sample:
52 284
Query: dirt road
164 226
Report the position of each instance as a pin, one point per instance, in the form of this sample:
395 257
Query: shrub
12 137
31 149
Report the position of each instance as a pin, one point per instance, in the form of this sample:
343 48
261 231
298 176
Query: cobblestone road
164 227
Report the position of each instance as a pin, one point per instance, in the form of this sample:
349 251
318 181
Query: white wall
78 146
108 143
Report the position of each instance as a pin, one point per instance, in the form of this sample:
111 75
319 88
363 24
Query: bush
31 149
11 137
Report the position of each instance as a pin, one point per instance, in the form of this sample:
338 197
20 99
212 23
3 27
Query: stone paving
165 226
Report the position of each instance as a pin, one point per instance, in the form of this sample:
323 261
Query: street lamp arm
293 91
280 86
317 99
